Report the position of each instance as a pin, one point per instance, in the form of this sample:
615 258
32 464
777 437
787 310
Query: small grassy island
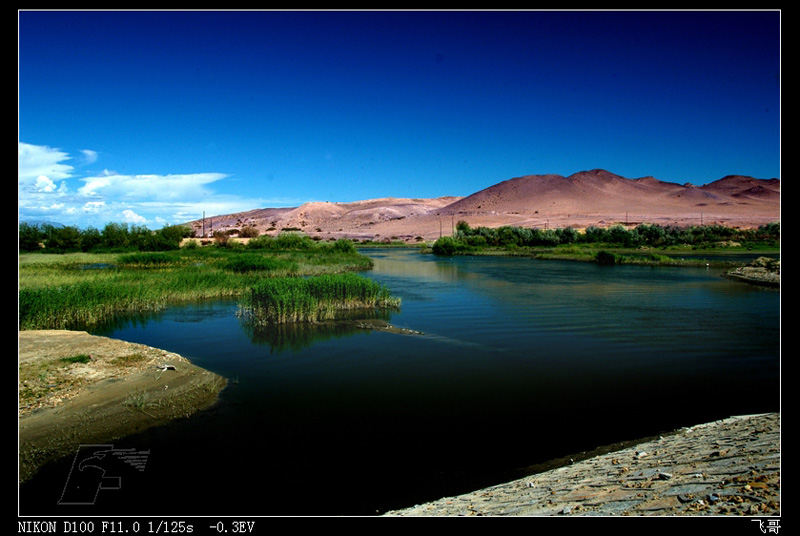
315 299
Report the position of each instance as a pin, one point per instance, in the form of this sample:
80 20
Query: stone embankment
728 467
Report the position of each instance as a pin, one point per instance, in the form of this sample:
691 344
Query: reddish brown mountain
601 192
595 197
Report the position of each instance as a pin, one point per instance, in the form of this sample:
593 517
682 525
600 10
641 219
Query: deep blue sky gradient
279 108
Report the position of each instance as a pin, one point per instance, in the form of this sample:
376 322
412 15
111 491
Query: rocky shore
764 271
724 468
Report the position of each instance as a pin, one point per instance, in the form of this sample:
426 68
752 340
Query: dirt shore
76 388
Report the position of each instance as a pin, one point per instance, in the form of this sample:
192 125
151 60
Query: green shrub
605 258
294 241
344 246
248 231
567 235
445 245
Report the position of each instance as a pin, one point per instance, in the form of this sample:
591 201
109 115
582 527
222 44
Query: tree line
467 238
114 237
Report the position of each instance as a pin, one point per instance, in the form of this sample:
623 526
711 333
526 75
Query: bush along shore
86 290
645 244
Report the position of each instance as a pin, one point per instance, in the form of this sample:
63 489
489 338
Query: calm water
521 361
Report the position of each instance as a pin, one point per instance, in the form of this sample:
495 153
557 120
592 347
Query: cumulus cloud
143 199
36 161
44 184
130 216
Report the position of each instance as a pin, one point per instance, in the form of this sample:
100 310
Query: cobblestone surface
727 467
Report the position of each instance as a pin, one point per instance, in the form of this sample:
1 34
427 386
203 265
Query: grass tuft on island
315 299
87 290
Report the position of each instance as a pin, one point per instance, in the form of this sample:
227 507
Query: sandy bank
76 388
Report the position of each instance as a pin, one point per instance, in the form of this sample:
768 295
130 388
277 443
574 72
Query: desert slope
595 197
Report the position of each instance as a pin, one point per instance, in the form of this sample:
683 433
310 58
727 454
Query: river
518 362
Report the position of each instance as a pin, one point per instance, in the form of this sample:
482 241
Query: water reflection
184 313
297 336
519 362
215 316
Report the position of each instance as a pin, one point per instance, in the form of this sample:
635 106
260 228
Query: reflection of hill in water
299 335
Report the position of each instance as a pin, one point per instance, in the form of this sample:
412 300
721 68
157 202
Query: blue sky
152 118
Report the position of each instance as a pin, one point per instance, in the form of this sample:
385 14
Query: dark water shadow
296 336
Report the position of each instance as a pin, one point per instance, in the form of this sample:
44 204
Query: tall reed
314 299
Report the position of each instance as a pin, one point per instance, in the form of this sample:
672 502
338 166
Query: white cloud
129 216
141 199
44 184
149 199
89 156
191 186
38 160
93 207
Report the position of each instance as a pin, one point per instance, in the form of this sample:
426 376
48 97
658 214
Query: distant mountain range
595 197
599 191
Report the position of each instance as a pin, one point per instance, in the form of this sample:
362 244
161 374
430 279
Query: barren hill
595 197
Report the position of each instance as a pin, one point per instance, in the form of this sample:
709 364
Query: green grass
255 263
82 358
81 291
146 259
